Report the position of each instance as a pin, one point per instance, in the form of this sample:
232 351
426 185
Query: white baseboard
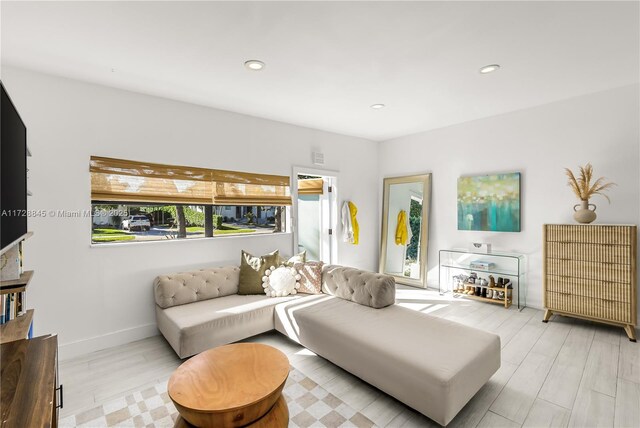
97 343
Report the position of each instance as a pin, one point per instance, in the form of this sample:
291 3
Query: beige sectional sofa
196 311
433 365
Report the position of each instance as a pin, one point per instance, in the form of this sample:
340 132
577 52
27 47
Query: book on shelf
12 305
481 265
22 304
9 315
20 260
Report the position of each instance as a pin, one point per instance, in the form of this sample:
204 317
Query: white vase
584 215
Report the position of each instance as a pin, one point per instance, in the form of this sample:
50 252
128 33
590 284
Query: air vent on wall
317 158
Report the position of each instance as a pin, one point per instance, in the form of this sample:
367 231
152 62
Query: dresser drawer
614 291
595 308
620 254
608 272
620 235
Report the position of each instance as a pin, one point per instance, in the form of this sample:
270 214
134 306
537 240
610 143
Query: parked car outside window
136 222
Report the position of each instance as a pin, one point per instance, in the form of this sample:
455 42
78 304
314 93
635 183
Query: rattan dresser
590 272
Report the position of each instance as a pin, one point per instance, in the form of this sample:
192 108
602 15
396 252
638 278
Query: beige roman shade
310 186
119 180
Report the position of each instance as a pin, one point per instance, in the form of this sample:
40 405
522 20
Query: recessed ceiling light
254 65
489 68
377 106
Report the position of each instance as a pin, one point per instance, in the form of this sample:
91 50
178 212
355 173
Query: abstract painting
489 202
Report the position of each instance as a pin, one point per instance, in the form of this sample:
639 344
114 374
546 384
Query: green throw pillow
252 270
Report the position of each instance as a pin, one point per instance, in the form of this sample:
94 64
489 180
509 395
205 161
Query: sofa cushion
188 287
366 288
431 364
252 270
202 325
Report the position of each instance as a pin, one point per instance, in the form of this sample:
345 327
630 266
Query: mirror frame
424 227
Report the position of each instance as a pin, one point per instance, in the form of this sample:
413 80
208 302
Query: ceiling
327 62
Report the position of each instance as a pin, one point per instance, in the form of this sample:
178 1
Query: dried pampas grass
582 186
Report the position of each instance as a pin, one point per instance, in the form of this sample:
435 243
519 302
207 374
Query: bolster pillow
187 287
366 288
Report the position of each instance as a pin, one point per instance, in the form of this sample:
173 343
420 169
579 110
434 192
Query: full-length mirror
405 228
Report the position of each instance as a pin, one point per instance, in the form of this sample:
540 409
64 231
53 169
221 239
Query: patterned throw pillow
280 282
252 270
310 277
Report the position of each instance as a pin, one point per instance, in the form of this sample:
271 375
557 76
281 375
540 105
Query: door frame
333 207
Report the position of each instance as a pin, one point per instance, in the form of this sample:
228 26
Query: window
135 201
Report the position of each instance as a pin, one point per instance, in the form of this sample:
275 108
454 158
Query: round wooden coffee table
232 386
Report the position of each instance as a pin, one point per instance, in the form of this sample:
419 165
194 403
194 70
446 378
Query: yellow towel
353 210
401 229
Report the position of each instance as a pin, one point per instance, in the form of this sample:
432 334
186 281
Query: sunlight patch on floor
421 294
434 308
414 306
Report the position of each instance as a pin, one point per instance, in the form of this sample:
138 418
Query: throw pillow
280 282
252 270
310 277
298 258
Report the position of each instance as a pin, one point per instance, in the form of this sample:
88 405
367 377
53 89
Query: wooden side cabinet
590 272
28 383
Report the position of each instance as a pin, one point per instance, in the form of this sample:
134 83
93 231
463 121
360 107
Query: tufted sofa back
181 288
366 288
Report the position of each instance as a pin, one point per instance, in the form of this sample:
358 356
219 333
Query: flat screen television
13 172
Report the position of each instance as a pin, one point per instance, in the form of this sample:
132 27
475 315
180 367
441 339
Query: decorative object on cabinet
456 275
489 203
590 272
405 259
584 190
481 247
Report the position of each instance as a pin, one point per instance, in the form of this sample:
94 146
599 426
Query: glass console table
455 270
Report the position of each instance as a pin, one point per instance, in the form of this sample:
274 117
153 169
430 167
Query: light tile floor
564 373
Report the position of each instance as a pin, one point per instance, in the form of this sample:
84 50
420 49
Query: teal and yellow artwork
489 202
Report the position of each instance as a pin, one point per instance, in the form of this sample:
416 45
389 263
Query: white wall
95 297
602 128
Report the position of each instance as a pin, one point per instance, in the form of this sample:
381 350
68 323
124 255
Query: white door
315 220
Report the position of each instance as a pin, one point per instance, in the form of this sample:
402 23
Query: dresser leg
631 332
547 315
